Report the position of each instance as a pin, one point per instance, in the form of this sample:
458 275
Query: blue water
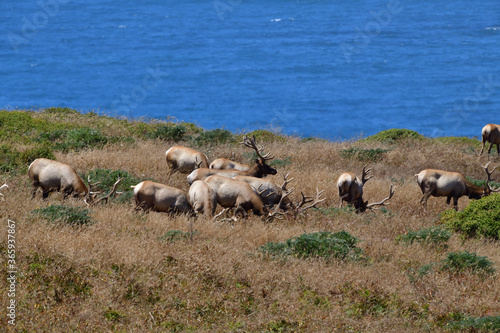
333 69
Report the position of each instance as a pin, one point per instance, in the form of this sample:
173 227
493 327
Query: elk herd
244 188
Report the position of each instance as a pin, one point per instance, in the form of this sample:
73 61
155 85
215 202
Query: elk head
261 161
488 189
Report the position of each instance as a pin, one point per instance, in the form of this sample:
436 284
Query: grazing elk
235 194
203 198
54 176
224 163
160 198
270 193
439 183
351 190
185 160
491 134
259 170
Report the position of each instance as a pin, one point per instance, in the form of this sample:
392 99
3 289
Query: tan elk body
269 191
224 163
185 160
54 176
203 198
491 134
235 194
439 183
160 197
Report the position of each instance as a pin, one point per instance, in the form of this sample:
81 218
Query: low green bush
462 140
482 182
481 218
394 135
462 262
213 137
340 245
176 235
9 159
64 214
434 235
59 110
81 138
264 136
168 132
473 324
43 151
106 179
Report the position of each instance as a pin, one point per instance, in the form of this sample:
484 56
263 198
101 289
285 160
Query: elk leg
45 194
35 187
425 197
448 199
455 203
498 148
489 149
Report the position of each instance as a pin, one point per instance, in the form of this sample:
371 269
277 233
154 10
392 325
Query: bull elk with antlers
351 190
224 163
439 183
185 160
491 134
259 170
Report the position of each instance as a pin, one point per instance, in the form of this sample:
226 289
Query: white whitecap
493 28
123 26
276 20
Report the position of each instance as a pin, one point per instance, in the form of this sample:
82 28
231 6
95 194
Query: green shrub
106 179
461 262
64 214
433 235
324 244
113 315
463 140
168 132
370 155
278 163
480 218
481 183
472 324
216 136
81 138
394 135
9 159
59 110
32 154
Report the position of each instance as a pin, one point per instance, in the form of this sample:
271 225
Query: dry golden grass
118 275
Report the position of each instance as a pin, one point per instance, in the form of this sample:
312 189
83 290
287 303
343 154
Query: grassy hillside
399 269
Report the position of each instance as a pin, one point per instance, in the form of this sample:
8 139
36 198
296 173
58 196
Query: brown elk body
203 198
235 194
439 183
54 176
160 198
491 134
185 160
351 190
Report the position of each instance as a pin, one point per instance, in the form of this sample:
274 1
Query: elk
185 160
259 170
203 198
160 198
235 194
351 190
439 183
270 193
491 134
54 176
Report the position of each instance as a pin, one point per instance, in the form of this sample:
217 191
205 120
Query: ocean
330 69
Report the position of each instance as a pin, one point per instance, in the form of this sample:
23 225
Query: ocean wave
279 19
493 28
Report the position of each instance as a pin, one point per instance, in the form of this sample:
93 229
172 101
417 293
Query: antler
259 191
309 200
112 192
276 210
382 203
366 175
196 163
250 143
1 187
92 185
485 167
